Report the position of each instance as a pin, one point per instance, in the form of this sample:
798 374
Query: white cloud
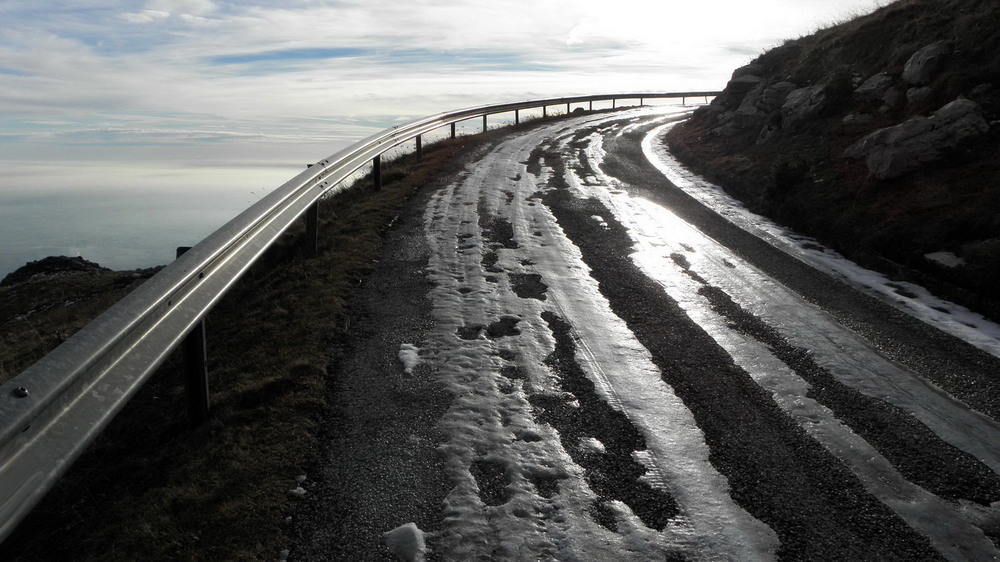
270 68
145 16
180 7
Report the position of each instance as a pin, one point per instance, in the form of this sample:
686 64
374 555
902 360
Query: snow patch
406 542
592 445
536 502
915 300
946 259
660 237
409 356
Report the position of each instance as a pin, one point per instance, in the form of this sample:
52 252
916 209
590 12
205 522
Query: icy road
577 350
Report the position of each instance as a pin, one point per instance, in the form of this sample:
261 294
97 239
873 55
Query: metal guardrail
54 409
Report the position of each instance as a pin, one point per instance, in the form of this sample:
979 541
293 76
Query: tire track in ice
490 423
776 470
711 524
951 527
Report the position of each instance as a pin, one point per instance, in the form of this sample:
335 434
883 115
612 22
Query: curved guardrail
54 409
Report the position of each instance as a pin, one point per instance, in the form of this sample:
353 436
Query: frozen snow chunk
409 356
946 259
406 542
297 492
591 445
600 221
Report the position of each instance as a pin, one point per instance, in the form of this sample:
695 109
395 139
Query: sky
192 79
115 95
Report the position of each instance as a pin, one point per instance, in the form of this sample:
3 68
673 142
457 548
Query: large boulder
917 95
739 87
926 63
749 114
752 69
894 151
802 105
874 88
774 96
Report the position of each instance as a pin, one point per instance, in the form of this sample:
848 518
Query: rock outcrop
926 63
893 151
877 136
802 105
52 265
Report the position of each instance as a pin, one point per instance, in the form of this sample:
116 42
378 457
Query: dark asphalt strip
916 452
613 474
960 369
775 470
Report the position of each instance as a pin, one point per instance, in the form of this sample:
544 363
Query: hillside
878 136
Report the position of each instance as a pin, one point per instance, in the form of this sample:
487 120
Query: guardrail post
484 123
641 101
196 369
614 103
517 116
545 111
311 243
196 359
567 108
420 148
591 105
452 130
377 172
684 100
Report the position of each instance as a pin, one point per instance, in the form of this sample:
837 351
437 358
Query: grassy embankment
799 177
150 488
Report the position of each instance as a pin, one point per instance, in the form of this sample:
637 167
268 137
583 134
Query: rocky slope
879 137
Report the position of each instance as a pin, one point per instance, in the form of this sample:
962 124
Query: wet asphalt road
383 462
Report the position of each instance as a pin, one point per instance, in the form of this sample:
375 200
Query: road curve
565 356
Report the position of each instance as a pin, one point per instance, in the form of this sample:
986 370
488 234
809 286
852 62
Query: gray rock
754 69
858 119
749 114
774 96
725 126
917 95
893 99
739 87
926 63
768 132
875 87
894 151
981 91
802 105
